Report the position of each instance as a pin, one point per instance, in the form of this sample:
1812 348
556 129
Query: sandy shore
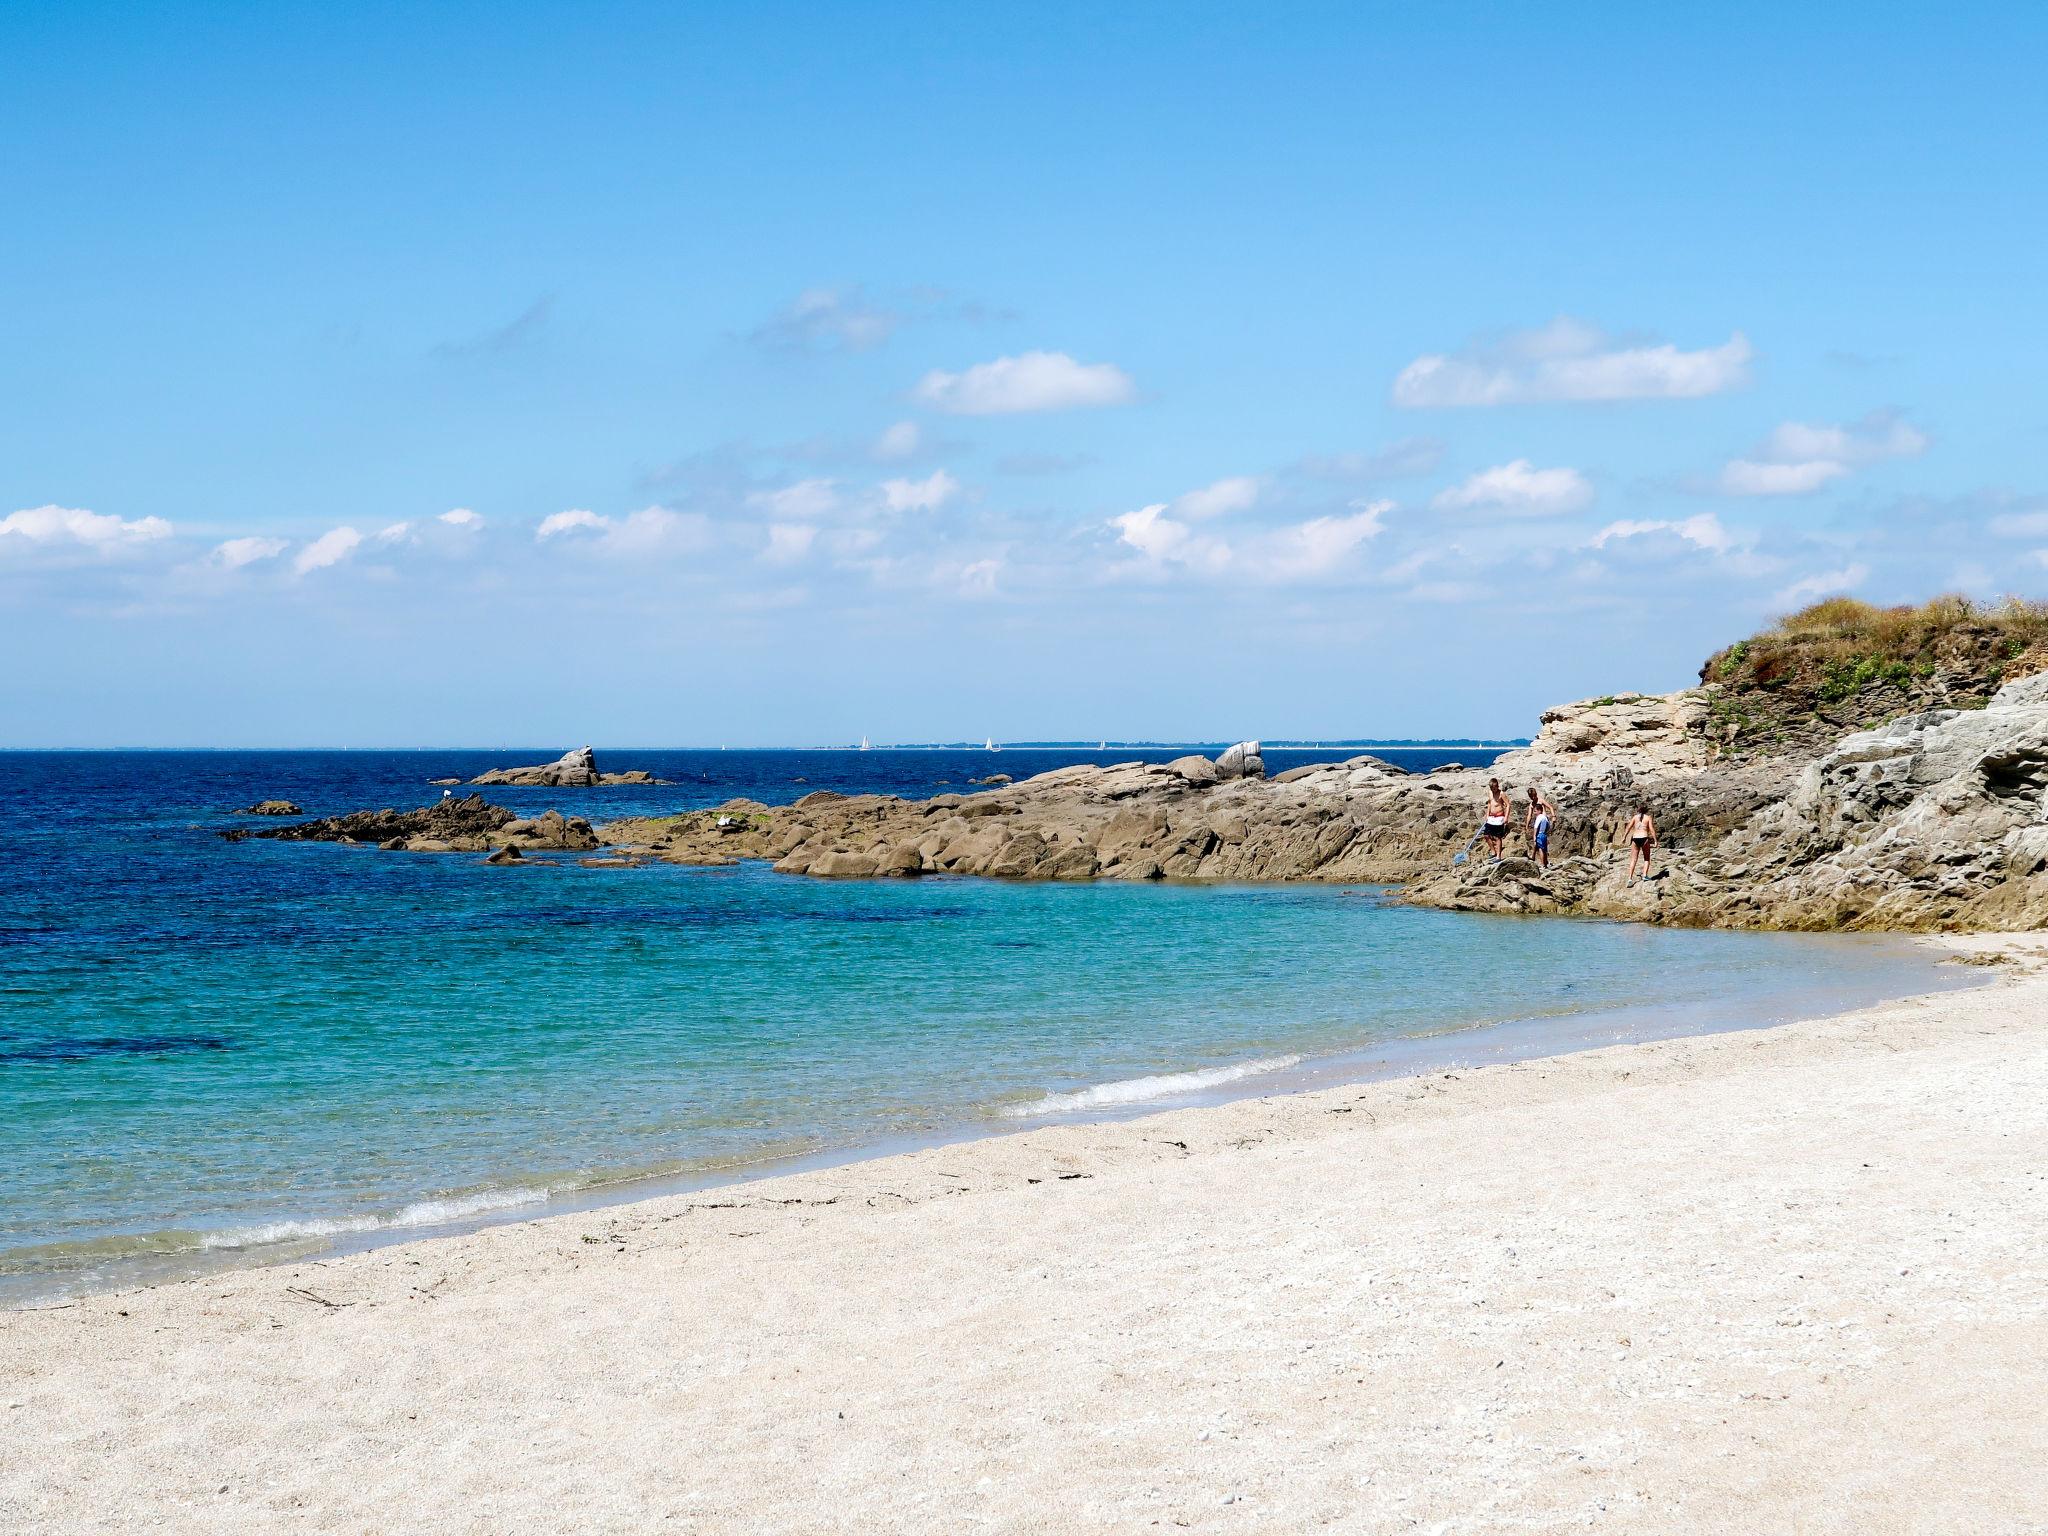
1784 1280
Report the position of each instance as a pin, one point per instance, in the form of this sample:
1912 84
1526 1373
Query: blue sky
775 374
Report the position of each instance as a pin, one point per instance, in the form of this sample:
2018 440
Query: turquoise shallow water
216 1051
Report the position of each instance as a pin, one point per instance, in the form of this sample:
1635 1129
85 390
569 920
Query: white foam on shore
1143 1090
420 1213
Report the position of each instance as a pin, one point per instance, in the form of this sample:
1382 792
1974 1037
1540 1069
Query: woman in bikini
1495 827
1642 837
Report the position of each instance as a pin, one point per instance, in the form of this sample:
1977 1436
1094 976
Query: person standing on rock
1541 814
1494 828
1642 837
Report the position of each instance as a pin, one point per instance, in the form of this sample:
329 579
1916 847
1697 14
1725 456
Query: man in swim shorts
1495 827
1541 814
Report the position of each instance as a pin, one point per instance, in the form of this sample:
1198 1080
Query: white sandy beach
1784 1280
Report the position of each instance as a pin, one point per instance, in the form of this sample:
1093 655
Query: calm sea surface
216 1052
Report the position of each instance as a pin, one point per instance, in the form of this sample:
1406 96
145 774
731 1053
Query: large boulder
1242 761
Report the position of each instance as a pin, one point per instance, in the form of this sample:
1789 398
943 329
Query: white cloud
1319 546
1031 381
1822 584
1163 540
1798 458
2020 525
1519 489
1296 552
926 495
558 523
74 526
798 503
461 517
1238 493
1569 360
236 553
1703 531
331 548
788 542
900 441
396 533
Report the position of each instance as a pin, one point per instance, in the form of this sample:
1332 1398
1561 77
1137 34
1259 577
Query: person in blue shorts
1541 814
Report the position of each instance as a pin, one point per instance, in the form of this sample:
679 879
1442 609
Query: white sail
864 744
990 745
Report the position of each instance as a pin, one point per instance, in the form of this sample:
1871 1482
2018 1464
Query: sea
218 1053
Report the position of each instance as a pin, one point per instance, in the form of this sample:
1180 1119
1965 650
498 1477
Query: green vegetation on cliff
1841 664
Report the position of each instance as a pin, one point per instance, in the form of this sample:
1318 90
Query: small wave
420 1213
1142 1090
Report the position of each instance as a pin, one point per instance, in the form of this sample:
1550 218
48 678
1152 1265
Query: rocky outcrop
270 808
575 769
1938 819
1649 732
469 825
1127 821
1935 820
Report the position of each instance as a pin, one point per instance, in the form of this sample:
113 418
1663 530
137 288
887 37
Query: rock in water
469 825
271 808
1243 761
575 769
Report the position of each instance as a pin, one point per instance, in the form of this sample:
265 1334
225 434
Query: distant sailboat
990 745
864 745
1102 746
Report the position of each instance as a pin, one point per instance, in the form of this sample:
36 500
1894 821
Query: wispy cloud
1822 584
1408 456
898 442
1799 458
233 554
1030 381
800 502
1519 489
1703 531
828 320
648 532
510 336
331 548
1569 360
926 495
1237 493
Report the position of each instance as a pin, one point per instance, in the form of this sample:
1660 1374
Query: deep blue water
249 1049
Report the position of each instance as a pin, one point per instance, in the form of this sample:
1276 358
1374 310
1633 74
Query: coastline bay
215 1054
